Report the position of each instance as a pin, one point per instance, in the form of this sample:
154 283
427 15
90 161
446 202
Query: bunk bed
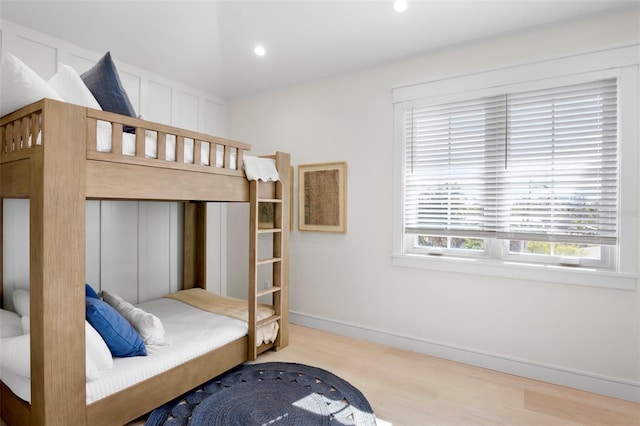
51 154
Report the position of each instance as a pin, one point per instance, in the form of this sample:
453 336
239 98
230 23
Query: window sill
505 269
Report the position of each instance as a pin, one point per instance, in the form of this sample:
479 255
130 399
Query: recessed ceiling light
400 5
259 50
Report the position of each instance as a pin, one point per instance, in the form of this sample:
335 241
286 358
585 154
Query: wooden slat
116 139
197 152
140 143
180 149
25 126
17 137
161 146
227 157
92 136
9 137
267 291
3 140
268 320
35 125
239 160
213 151
269 260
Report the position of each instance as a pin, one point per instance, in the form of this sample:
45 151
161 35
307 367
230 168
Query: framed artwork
322 197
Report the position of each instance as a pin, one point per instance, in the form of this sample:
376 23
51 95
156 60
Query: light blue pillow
121 338
103 81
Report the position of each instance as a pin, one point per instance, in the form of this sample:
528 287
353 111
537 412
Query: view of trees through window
543 248
460 243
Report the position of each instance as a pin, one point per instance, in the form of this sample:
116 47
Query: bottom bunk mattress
189 333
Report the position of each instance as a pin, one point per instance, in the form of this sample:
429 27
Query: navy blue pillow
104 83
90 292
121 338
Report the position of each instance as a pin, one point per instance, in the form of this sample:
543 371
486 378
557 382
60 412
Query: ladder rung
269 230
269 260
272 289
269 200
268 320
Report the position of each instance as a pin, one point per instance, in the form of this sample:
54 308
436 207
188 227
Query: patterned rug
271 393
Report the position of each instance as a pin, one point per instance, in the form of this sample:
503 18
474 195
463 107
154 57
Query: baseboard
547 373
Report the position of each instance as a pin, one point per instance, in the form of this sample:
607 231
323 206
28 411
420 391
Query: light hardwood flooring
405 388
409 389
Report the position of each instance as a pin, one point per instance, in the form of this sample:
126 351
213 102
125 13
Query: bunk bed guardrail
142 143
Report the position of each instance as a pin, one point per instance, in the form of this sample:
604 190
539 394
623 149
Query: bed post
283 163
1 247
57 268
194 247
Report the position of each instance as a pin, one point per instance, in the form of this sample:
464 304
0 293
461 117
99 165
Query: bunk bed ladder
274 287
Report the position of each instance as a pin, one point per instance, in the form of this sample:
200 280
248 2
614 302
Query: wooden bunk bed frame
58 175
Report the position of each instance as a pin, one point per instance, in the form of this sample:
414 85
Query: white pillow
26 324
148 325
21 86
68 83
21 302
92 372
15 356
10 324
97 350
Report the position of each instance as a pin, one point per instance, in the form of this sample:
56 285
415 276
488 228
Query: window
526 174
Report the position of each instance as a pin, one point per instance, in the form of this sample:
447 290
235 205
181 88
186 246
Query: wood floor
405 388
409 389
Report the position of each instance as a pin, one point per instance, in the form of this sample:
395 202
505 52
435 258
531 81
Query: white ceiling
209 44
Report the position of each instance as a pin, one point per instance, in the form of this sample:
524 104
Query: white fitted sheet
189 333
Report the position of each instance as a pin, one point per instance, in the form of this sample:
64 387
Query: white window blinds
536 165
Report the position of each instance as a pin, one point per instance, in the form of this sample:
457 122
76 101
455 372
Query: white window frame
621 62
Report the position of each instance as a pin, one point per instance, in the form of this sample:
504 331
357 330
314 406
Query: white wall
580 336
133 248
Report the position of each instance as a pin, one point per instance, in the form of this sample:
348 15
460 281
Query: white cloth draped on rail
260 169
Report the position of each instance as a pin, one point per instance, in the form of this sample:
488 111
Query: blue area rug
271 393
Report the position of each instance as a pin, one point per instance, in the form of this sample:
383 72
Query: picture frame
322 197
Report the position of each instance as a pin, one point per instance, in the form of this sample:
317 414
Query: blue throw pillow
121 338
104 83
90 292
